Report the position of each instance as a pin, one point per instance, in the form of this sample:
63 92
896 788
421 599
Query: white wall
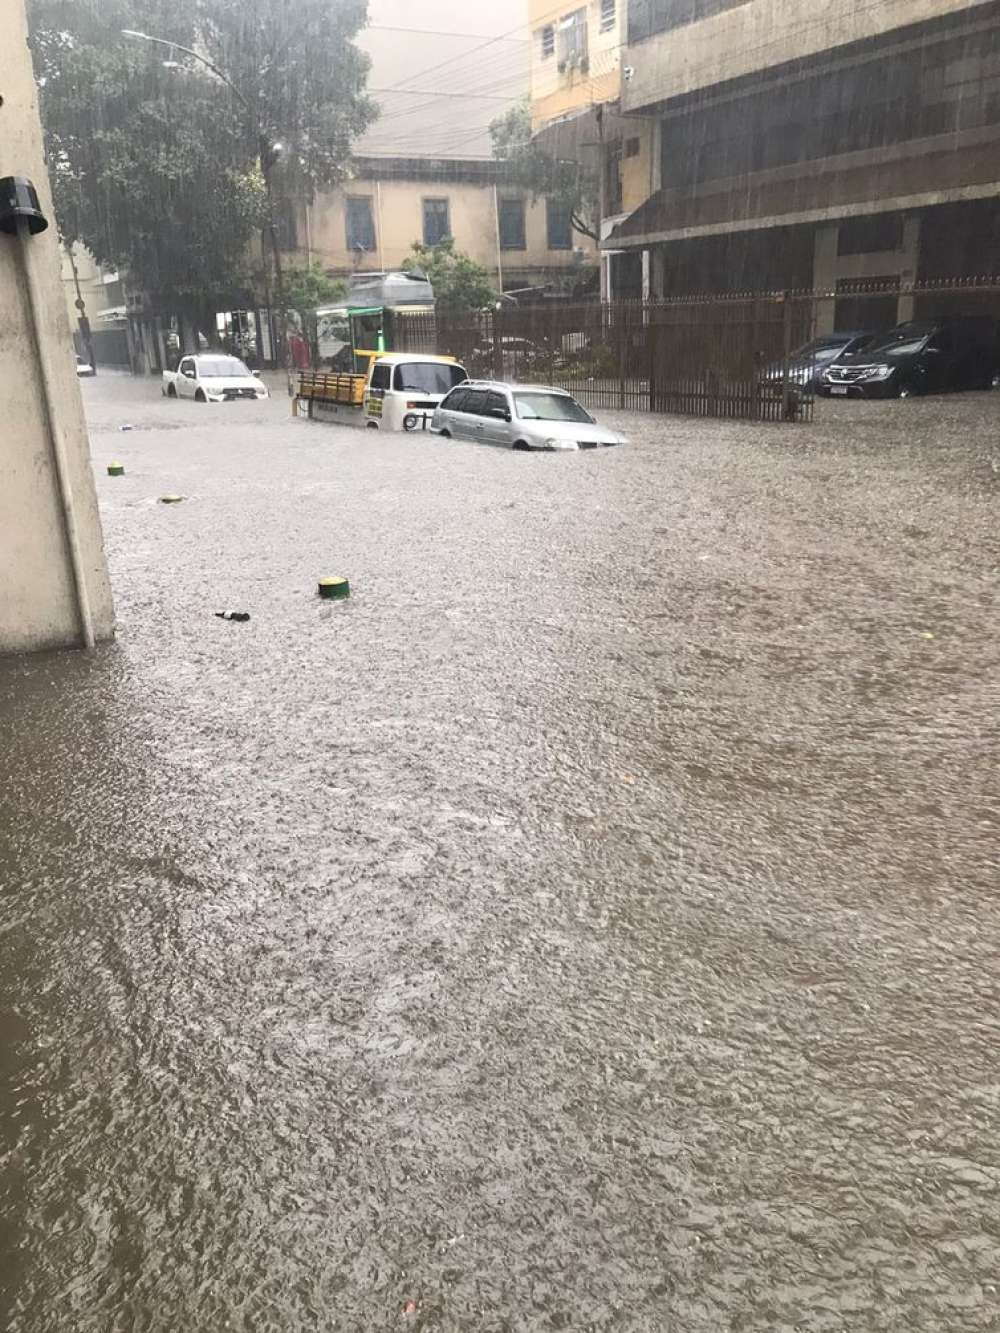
38 597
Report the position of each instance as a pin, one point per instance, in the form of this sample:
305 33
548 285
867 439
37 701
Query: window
648 17
436 225
608 15
222 367
559 225
495 405
632 147
547 41
511 219
870 235
187 368
360 222
541 406
426 377
475 402
455 402
573 41
380 377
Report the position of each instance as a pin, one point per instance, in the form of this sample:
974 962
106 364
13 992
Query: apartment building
796 145
576 62
389 203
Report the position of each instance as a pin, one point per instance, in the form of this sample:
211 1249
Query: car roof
513 387
395 357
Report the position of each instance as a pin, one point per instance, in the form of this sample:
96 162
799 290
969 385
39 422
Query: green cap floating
116 469
334 589
171 499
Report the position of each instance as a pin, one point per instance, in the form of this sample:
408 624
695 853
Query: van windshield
427 377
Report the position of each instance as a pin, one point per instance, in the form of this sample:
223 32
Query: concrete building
798 146
54 589
373 221
576 62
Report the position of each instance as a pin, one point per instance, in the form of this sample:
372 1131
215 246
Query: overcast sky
437 82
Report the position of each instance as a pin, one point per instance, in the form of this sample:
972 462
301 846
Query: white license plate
838 388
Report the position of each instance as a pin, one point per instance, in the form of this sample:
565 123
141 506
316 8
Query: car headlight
877 373
560 444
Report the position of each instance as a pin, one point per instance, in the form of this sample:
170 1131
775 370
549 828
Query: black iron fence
736 356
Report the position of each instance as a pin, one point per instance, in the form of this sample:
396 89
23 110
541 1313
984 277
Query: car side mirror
255 374
506 414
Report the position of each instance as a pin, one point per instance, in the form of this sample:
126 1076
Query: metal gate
738 357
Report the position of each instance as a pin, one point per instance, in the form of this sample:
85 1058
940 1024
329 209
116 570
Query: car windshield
427 377
905 340
549 407
221 367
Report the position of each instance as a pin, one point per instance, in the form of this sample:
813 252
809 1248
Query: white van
405 388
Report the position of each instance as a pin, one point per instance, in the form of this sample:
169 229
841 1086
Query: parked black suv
921 356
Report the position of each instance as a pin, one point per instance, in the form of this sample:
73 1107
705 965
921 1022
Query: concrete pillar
646 276
54 578
825 275
657 273
910 264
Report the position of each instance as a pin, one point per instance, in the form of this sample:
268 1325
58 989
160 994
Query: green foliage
459 282
296 63
157 171
309 287
542 175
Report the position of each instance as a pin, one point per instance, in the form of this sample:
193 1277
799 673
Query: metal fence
709 356
719 358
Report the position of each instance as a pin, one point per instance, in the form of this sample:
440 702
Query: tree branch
579 225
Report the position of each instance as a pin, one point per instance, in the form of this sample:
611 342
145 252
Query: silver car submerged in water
519 416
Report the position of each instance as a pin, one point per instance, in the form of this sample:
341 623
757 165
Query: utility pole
81 306
602 198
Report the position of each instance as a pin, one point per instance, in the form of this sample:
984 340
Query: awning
812 192
112 315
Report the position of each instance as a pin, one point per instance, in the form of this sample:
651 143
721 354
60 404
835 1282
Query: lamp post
268 153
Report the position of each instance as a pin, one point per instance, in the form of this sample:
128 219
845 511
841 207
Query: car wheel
171 390
521 446
444 434
200 396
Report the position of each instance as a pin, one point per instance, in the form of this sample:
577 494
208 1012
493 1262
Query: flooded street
591 924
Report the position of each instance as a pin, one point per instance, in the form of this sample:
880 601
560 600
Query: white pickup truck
212 377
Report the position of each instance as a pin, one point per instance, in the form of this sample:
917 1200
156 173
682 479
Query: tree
459 282
158 170
307 288
573 184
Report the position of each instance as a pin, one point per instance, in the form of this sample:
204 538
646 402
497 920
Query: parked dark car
806 364
920 356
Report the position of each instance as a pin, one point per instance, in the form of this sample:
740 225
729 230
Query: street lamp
267 152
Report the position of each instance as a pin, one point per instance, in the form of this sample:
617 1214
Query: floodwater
591 924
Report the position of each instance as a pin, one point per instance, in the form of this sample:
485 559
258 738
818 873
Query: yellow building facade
373 220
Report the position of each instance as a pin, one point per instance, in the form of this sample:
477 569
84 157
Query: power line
518 27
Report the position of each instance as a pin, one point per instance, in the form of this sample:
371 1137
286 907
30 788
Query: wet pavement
591 924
